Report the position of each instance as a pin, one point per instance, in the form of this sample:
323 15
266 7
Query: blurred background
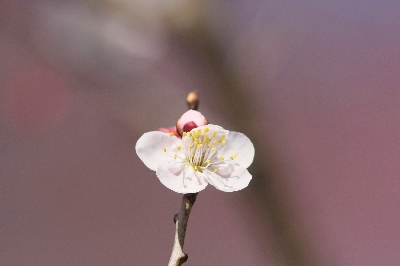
314 84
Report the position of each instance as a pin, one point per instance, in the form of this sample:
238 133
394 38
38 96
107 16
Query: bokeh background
314 84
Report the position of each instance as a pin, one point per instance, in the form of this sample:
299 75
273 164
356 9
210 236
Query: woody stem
178 257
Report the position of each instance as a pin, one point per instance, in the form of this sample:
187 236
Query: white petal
242 145
179 178
211 129
229 177
220 130
149 148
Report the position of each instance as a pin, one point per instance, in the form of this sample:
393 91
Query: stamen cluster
200 149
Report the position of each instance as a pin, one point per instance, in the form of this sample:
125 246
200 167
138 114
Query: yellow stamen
215 170
172 134
178 148
206 129
175 156
165 150
221 158
184 134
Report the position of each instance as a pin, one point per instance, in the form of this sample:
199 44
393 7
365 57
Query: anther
221 158
178 148
165 150
172 134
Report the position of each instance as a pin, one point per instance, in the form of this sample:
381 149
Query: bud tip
192 100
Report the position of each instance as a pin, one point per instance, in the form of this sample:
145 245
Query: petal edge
241 144
149 148
236 179
184 181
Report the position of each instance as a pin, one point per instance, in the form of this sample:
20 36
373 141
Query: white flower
206 155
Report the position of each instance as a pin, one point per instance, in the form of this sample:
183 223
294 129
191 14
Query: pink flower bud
189 120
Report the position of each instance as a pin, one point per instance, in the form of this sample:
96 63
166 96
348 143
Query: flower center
200 149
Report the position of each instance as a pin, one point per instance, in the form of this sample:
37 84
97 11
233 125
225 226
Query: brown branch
181 220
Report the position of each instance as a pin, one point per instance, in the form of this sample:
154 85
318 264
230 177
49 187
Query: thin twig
181 220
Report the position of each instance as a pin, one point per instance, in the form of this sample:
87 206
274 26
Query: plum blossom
207 154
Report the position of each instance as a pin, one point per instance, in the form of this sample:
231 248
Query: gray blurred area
314 85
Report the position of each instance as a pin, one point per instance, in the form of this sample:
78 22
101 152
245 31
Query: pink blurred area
35 97
314 85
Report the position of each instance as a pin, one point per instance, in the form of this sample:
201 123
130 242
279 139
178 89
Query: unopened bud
189 120
192 100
